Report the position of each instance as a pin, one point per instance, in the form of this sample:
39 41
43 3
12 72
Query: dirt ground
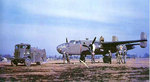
55 70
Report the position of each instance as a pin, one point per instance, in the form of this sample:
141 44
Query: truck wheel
14 63
38 63
27 62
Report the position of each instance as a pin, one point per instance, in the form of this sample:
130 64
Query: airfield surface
55 70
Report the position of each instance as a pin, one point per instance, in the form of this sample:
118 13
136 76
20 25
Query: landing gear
38 63
66 57
93 57
107 59
82 57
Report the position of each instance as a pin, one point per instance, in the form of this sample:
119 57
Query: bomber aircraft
89 47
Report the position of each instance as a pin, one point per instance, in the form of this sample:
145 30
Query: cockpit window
64 45
78 42
73 41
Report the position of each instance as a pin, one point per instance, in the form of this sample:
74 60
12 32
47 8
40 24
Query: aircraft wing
121 42
143 41
129 44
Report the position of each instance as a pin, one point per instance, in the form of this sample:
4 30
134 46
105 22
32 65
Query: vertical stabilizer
114 38
143 37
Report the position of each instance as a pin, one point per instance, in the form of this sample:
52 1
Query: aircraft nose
59 49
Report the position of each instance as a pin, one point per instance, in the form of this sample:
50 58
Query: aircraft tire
38 63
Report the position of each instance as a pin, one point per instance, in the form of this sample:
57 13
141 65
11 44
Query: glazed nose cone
59 49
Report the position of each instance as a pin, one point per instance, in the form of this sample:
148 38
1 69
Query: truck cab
22 51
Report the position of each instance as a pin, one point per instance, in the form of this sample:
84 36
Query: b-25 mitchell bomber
89 47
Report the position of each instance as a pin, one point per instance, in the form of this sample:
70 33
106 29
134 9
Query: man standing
120 57
110 56
124 55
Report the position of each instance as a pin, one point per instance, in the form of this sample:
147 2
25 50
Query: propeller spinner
91 46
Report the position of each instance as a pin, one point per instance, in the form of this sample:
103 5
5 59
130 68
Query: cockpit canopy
64 45
75 42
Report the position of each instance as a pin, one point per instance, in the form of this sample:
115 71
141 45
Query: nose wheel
66 57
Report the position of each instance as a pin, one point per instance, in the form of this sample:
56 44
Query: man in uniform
110 56
119 55
124 56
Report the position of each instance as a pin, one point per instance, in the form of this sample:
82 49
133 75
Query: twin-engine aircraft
89 47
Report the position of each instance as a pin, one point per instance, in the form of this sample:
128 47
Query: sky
46 23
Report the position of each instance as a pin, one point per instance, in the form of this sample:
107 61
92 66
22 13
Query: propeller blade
85 45
66 40
93 40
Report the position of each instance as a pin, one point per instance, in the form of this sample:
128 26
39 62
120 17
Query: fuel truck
25 54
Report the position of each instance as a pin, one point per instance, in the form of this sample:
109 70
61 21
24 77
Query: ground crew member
110 56
119 56
124 56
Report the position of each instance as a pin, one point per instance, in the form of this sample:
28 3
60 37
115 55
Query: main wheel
106 59
38 63
27 61
14 63
82 57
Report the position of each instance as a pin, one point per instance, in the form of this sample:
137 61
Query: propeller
66 40
93 40
90 47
